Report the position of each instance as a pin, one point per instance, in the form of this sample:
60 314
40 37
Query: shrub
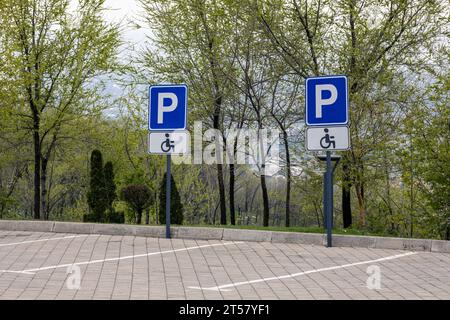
90 217
176 208
102 190
116 217
110 186
96 194
138 197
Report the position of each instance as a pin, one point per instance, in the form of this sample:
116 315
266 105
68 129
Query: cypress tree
110 186
96 195
176 208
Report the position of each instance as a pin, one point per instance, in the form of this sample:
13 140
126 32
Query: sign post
167 125
329 199
168 192
327 119
328 192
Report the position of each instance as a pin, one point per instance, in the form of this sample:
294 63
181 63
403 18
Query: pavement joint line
40 240
236 284
33 271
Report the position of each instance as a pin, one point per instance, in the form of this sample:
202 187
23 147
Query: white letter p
170 108
323 102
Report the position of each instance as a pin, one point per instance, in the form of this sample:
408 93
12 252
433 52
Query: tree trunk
139 217
215 212
223 208
265 198
288 179
232 183
219 157
388 193
346 205
361 204
319 214
44 162
346 178
156 208
253 199
147 216
37 167
216 122
246 200
447 233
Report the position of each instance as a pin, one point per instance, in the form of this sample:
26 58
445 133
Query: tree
138 197
425 159
110 186
51 54
189 39
96 195
373 43
254 83
176 207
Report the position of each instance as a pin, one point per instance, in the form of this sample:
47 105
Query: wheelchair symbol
327 140
167 144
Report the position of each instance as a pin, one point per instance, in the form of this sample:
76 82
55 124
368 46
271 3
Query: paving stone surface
43 265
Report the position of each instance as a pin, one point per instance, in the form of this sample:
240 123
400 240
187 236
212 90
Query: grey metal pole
325 201
329 199
168 176
332 198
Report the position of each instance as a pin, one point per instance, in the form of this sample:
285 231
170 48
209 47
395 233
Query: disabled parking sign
175 142
326 113
168 107
327 138
167 119
326 100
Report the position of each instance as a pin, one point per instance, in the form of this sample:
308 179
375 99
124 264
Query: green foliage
176 207
90 217
52 52
96 196
110 185
138 197
392 52
115 217
425 161
193 192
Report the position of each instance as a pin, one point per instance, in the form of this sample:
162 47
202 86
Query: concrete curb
227 234
38 226
246 235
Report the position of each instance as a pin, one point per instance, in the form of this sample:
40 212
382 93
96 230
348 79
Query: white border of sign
187 139
183 85
324 127
346 101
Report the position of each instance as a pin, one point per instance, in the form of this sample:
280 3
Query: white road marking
40 240
12 271
236 284
32 271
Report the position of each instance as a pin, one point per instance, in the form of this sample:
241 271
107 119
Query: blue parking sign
326 100
167 107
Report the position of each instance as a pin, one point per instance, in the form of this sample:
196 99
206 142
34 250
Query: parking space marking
40 240
236 284
34 270
13 271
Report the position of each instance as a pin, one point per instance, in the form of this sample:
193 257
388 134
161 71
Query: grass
349 231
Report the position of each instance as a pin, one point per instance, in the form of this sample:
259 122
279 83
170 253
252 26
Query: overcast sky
123 12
